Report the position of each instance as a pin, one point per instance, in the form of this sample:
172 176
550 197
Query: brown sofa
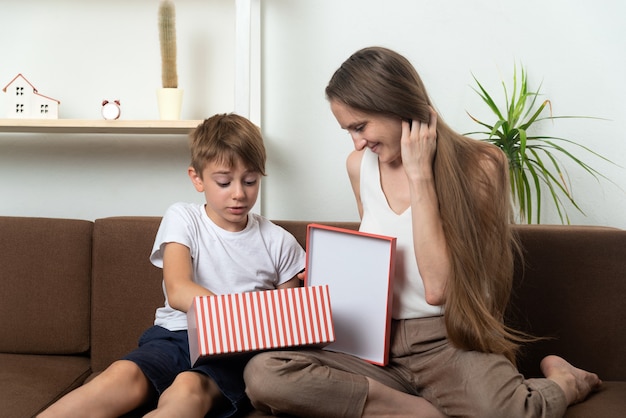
77 294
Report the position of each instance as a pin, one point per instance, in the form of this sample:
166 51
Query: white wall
577 48
83 52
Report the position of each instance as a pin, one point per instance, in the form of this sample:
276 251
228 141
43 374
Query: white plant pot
170 101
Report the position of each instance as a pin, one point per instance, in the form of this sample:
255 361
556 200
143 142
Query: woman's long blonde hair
474 205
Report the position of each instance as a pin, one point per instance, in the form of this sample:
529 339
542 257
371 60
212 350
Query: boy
215 248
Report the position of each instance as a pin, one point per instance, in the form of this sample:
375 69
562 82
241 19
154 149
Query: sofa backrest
299 228
45 279
572 288
126 287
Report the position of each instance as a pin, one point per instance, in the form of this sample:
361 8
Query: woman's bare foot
576 383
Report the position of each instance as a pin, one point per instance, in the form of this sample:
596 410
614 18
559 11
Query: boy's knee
194 383
123 370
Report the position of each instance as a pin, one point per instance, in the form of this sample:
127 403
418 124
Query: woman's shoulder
353 162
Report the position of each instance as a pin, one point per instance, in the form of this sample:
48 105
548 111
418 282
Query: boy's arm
178 277
293 282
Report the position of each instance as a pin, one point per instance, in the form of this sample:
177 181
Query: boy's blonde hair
224 138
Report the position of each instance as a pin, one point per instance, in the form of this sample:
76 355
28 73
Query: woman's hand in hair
418 145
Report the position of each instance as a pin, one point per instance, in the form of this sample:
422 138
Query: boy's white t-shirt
260 257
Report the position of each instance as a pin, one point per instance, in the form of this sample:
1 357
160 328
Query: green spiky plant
533 159
167 38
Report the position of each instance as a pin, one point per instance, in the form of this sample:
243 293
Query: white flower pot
170 101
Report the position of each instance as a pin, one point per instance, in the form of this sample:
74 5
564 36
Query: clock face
110 111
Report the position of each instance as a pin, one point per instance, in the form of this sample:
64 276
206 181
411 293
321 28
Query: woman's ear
195 179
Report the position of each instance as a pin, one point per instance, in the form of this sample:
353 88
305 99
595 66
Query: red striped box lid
252 321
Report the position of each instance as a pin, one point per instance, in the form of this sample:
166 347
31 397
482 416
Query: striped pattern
262 320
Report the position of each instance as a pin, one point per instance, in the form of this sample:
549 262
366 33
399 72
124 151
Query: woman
446 199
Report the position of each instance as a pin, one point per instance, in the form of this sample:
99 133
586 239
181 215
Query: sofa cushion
29 383
45 276
608 402
126 286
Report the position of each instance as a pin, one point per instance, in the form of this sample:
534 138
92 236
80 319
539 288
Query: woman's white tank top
408 295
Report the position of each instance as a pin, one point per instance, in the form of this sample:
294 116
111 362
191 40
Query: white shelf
81 126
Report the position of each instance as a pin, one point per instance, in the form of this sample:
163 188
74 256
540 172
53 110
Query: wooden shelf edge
98 126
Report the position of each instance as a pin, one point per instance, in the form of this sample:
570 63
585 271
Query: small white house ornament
25 102
111 109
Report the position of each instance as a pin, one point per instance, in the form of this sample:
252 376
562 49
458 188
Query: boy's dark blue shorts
163 354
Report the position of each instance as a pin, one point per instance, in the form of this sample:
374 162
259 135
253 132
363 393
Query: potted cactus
169 96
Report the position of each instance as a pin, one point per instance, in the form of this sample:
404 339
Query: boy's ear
195 179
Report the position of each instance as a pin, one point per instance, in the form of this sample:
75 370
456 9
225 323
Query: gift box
359 268
238 322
